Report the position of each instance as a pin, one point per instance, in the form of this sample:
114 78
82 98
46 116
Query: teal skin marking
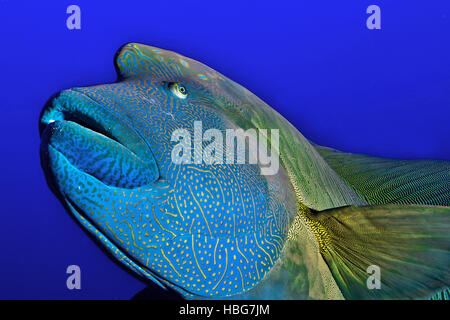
202 230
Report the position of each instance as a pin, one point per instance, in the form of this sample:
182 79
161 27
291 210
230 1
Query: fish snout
107 177
94 141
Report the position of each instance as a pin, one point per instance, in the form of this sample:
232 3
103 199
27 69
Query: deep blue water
382 92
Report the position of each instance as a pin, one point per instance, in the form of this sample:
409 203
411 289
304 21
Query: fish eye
178 90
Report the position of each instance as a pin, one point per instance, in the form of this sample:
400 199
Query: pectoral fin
409 245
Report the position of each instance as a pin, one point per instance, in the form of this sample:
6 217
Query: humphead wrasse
326 225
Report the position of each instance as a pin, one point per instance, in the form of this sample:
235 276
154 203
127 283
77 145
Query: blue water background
381 92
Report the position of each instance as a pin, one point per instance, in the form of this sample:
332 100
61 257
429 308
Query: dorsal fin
381 181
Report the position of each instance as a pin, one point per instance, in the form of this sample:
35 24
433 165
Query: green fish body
311 230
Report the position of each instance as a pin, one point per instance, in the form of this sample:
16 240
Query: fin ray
410 244
383 181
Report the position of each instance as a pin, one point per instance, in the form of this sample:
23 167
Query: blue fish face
107 151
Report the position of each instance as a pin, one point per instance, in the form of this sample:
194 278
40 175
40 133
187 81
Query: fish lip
57 110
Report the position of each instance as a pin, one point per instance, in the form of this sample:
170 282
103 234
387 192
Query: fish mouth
88 155
94 141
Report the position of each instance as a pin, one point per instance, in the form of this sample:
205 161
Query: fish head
201 228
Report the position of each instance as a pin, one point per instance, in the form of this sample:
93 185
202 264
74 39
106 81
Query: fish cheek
123 219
